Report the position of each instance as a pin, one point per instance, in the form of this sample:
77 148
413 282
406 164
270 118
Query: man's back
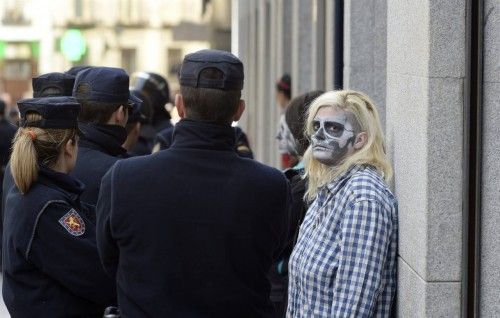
200 241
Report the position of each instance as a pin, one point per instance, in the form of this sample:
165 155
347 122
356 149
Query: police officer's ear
119 117
240 110
179 104
69 154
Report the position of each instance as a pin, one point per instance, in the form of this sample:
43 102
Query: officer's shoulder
132 165
257 170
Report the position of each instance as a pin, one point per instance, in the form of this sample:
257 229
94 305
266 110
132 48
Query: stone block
408 42
490 218
418 298
407 124
491 40
302 69
444 179
447 38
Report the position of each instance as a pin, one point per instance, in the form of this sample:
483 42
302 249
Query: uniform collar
61 181
105 138
203 135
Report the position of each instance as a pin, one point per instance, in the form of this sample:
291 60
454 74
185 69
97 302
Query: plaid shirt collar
332 187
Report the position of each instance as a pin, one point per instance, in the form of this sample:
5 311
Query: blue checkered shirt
344 262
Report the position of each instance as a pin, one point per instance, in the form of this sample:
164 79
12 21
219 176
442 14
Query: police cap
104 84
53 84
227 63
59 112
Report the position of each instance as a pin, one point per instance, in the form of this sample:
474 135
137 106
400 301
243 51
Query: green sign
3 45
73 45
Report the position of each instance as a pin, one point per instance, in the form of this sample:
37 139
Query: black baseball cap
227 63
60 112
53 84
104 84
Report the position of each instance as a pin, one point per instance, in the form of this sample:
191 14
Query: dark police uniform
101 145
242 146
7 133
200 240
50 261
154 90
45 85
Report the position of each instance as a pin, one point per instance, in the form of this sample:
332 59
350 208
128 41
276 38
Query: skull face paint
334 135
286 141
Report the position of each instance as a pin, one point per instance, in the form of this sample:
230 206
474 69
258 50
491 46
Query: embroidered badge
73 223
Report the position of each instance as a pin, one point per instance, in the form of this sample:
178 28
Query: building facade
432 68
40 36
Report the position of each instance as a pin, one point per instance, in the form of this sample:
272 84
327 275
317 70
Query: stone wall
490 241
425 101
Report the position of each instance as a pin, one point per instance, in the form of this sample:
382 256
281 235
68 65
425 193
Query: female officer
344 262
50 261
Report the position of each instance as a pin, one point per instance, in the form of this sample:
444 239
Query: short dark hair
284 85
210 104
92 111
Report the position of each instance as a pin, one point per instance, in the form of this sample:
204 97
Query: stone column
365 49
302 42
490 216
425 102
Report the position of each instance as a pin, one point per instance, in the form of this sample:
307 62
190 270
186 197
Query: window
129 60
174 62
17 70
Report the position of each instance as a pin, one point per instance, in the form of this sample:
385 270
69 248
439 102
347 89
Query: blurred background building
41 36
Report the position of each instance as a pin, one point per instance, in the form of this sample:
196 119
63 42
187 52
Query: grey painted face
333 136
286 141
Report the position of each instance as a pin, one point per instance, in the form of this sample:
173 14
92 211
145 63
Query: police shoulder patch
73 223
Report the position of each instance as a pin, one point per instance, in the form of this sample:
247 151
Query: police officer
200 241
46 85
51 265
53 84
7 132
154 90
164 140
77 69
104 95
135 120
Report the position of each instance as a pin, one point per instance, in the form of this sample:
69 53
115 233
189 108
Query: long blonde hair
33 145
372 153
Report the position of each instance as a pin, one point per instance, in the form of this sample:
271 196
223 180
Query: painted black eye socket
334 129
316 125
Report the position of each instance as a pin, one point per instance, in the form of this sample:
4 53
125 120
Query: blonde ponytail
32 146
23 162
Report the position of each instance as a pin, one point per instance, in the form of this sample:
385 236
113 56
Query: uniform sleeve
108 250
366 229
70 259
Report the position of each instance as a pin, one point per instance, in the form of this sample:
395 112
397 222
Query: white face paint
333 136
286 141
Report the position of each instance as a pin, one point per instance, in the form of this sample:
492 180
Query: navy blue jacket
50 263
197 233
7 132
165 137
98 150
